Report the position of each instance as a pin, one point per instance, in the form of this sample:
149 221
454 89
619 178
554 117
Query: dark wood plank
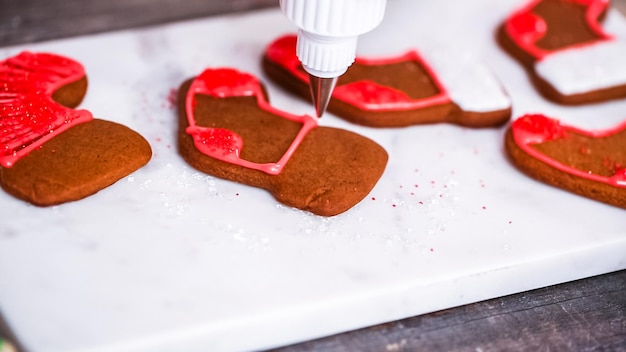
584 315
28 21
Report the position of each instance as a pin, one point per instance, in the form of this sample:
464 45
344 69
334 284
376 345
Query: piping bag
327 38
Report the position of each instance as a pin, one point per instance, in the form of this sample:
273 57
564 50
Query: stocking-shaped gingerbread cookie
567 53
51 153
588 163
400 91
229 130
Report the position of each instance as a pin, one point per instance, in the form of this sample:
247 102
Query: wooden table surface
584 315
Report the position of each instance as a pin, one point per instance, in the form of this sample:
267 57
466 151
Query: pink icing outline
378 98
547 129
525 28
226 145
29 80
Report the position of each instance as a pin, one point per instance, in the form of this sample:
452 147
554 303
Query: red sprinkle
171 98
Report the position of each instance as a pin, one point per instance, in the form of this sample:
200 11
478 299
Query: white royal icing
584 69
469 82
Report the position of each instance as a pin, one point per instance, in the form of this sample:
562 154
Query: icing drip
226 145
28 115
536 129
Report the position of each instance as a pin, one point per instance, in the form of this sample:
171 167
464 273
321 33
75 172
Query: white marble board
172 259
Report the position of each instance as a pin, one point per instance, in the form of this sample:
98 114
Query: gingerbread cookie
568 55
400 91
588 163
228 129
51 153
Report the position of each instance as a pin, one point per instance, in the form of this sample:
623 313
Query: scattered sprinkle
171 98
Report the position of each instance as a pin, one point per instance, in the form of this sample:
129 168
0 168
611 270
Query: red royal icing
525 27
366 95
28 115
283 52
536 128
226 145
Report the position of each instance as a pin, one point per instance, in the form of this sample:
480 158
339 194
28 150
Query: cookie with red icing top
51 153
570 58
588 163
228 129
400 91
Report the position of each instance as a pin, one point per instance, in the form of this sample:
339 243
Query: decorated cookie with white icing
569 56
408 89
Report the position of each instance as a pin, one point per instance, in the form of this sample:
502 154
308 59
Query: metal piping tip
321 91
